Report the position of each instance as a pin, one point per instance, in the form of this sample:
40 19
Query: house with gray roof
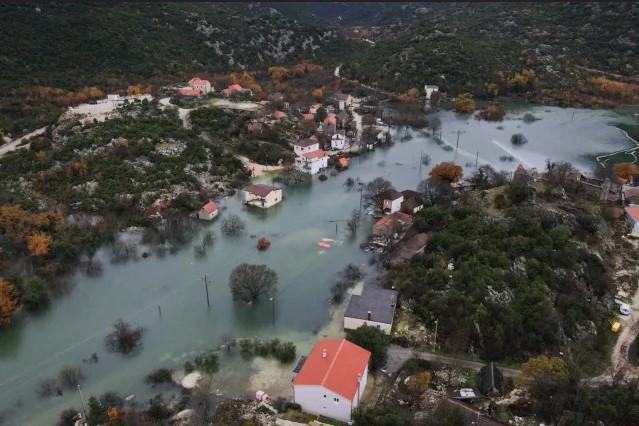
374 307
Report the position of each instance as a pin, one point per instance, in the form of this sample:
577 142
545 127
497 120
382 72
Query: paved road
15 144
397 355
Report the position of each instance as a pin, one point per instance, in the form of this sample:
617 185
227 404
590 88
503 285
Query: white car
624 309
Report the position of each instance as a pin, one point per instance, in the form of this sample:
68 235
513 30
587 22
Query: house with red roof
392 225
312 162
209 211
313 108
188 91
203 86
332 378
234 89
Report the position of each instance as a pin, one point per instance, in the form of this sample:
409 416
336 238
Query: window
336 400
324 395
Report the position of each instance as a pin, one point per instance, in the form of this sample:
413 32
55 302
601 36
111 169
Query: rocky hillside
465 47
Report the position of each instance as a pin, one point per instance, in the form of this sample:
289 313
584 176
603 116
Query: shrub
492 113
124 338
322 177
159 376
70 377
518 139
233 225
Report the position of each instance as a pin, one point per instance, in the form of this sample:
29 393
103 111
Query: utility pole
84 411
272 299
206 287
477 159
459 132
435 340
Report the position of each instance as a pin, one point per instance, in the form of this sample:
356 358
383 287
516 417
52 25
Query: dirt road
397 355
15 144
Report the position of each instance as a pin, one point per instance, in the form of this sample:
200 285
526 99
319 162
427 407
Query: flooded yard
74 327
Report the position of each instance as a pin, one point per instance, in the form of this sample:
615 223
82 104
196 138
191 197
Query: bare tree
374 190
249 282
435 124
124 338
69 377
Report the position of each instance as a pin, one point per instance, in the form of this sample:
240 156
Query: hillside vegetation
488 49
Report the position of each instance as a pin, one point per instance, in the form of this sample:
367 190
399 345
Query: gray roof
379 301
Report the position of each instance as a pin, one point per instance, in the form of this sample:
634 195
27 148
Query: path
256 169
15 144
398 355
183 113
619 356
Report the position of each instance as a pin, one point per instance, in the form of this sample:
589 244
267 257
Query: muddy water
75 326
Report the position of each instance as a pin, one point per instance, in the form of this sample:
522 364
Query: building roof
308 116
197 81
343 116
342 97
305 142
334 364
279 114
338 136
410 248
209 207
380 302
633 212
330 119
315 154
261 189
392 222
409 193
630 192
390 194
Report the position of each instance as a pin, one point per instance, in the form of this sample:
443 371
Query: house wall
270 200
312 400
353 323
204 215
337 143
392 206
313 165
301 150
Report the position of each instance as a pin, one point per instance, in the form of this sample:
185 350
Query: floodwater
74 326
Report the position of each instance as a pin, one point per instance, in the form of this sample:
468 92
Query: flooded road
75 325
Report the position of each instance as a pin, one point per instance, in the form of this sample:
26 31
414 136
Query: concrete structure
203 86
392 201
304 146
338 142
375 307
209 211
263 196
632 216
343 101
312 162
429 89
332 379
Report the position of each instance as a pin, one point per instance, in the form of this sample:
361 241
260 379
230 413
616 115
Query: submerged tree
124 338
447 172
233 225
249 282
375 189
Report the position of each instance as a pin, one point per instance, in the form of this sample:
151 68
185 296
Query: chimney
323 353
369 315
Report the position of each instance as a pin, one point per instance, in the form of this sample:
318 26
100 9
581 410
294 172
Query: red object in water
263 244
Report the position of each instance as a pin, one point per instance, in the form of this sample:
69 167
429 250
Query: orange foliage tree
447 172
38 243
318 94
613 88
277 73
78 167
625 170
464 103
411 95
9 303
524 80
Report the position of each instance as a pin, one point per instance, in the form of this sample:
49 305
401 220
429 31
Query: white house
632 216
312 162
429 89
264 196
209 211
304 146
338 142
116 99
343 101
374 307
313 108
204 86
332 379
392 201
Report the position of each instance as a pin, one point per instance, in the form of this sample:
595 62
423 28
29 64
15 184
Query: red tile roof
279 114
260 189
309 117
209 207
330 119
187 91
633 212
315 154
338 370
197 81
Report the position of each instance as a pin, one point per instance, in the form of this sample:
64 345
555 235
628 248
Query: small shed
374 307
209 211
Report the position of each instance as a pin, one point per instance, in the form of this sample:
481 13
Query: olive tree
249 282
